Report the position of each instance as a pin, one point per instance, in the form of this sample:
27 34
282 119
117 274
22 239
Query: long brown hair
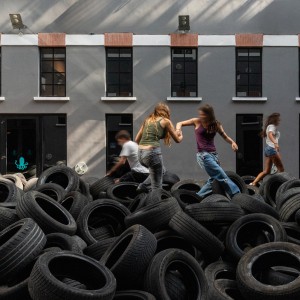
161 110
271 120
213 123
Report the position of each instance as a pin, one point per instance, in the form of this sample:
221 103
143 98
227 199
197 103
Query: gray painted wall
152 72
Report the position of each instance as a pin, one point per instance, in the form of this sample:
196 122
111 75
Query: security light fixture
184 23
16 21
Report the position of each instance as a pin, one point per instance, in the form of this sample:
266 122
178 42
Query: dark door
115 123
249 158
31 143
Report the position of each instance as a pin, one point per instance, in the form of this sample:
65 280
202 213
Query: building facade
82 70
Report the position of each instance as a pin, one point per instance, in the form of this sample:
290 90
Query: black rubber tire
156 216
185 197
74 202
238 181
63 241
169 239
16 180
103 233
225 289
124 257
175 286
289 209
9 193
244 233
156 196
61 175
187 184
290 184
7 217
272 184
197 235
297 217
48 214
138 202
251 205
221 213
101 185
97 250
20 244
278 277
52 190
17 287
84 189
133 295
217 189
124 192
263 257
89 180
248 179
252 190
45 281
215 198
219 270
192 274
285 196
30 184
100 213
293 232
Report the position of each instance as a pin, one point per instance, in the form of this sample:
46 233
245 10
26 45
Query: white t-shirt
130 151
276 135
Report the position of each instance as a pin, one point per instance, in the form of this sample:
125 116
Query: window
119 72
53 72
184 82
249 72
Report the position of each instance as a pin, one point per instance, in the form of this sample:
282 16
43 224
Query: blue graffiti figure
22 165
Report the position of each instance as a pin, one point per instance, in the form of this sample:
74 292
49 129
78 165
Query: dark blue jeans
152 159
210 162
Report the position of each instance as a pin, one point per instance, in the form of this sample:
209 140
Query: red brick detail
184 40
249 40
52 39
118 39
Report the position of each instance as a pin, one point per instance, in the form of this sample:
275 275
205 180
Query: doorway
115 123
249 158
31 143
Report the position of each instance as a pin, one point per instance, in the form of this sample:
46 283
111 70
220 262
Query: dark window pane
112 66
47 66
112 90
191 67
125 78
178 67
47 53
59 66
178 79
47 78
254 67
113 78
255 79
46 90
242 67
191 90
59 53
125 90
191 55
113 52
125 52
59 91
242 79
190 79
59 78
242 91
125 66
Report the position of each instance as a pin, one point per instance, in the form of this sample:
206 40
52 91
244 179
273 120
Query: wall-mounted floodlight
16 21
184 23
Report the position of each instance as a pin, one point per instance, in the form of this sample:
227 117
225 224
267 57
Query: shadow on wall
152 17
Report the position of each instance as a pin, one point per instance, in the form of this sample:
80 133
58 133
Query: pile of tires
70 237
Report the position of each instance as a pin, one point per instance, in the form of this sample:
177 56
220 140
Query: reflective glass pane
47 78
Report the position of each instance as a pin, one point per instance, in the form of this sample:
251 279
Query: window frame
107 72
53 72
196 73
248 61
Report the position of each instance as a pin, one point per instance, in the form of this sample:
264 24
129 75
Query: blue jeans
152 159
210 162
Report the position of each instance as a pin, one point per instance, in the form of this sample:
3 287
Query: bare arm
190 122
177 136
228 139
271 137
117 166
139 134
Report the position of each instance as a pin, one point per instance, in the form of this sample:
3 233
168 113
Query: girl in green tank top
156 127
